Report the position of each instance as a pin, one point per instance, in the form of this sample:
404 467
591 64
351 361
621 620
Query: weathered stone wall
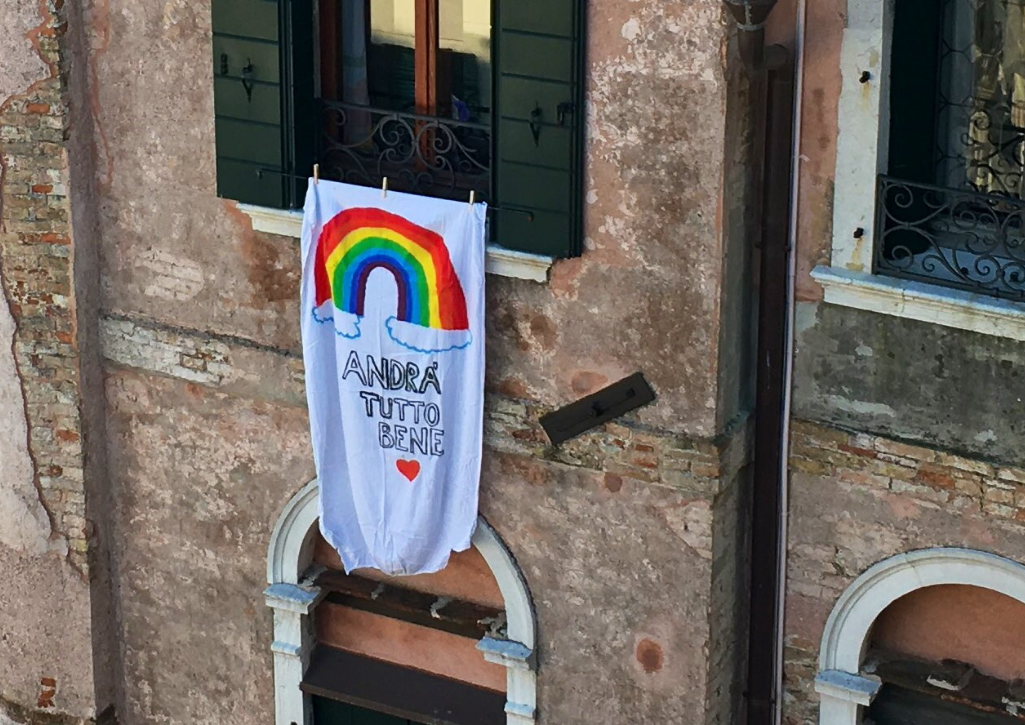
859 498
48 599
627 536
624 535
630 537
907 433
951 388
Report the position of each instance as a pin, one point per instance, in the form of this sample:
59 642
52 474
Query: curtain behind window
355 84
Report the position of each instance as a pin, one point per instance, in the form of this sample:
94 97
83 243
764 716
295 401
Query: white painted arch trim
840 685
290 554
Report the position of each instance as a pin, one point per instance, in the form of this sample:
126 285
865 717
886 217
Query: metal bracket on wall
612 402
247 79
535 123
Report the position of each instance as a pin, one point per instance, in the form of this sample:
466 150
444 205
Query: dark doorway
901 706
331 712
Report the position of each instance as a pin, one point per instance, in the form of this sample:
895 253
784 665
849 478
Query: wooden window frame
426 45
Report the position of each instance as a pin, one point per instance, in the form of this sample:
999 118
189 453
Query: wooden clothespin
473 198
316 174
384 188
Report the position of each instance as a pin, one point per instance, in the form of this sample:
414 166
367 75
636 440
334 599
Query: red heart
409 469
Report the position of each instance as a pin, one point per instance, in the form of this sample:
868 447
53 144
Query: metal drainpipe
775 348
788 384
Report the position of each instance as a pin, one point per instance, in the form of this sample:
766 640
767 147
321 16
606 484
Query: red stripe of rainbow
357 241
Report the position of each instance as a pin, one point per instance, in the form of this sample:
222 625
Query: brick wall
956 482
46 582
857 499
35 254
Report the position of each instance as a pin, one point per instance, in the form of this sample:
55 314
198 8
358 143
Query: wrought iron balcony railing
951 237
427 155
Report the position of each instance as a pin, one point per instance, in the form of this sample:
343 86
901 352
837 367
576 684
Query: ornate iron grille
419 154
980 134
957 238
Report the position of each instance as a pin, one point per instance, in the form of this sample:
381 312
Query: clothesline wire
491 207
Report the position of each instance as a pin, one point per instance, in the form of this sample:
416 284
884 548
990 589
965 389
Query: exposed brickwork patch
935 476
36 262
625 453
858 499
47 691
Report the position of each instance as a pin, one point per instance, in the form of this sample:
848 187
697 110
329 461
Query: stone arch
842 689
292 600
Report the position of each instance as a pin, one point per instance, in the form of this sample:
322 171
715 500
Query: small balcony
428 155
951 237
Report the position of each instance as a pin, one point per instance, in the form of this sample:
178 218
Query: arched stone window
842 687
293 599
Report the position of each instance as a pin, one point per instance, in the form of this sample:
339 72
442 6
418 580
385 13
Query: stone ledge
923 302
500 261
847 687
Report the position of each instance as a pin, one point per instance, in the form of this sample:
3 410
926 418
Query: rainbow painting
430 312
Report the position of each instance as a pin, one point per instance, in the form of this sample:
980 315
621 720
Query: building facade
159 554
904 525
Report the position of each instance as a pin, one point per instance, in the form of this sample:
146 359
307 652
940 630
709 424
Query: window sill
923 302
500 261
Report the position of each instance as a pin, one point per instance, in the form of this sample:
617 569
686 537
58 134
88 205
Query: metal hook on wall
247 79
535 123
565 108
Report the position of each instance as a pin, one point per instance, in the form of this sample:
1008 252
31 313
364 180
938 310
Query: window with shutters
441 97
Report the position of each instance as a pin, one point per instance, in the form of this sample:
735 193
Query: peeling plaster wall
654 228
878 373
906 434
25 526
638 623
201 475
22 66
46 653
951 389
628 537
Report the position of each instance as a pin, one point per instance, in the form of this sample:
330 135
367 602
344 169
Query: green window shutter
267 126
539 125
